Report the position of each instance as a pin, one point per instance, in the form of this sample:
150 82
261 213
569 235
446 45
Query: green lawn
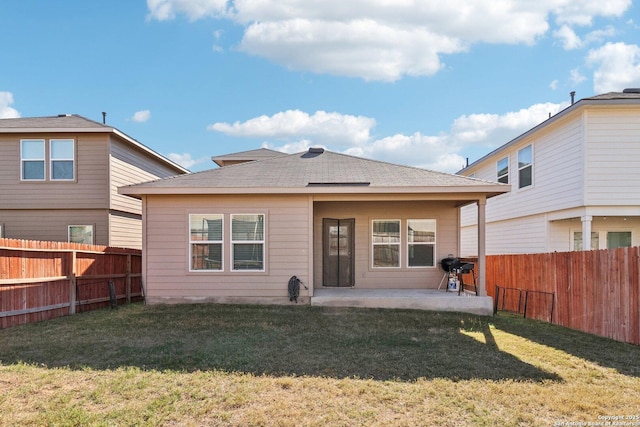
300 365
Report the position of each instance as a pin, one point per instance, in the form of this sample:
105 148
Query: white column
586 233
482 285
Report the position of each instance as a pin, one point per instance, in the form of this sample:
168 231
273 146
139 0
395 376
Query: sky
431 84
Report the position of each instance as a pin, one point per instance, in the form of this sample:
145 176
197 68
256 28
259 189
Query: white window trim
263 242
215 242
44 161
528 166
51 159
498 170
408 243
374 244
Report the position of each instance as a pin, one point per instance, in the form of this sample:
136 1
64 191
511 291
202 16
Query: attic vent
316 150
339 184
64 115
632 90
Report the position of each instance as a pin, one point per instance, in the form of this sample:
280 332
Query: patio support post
586 233
482 285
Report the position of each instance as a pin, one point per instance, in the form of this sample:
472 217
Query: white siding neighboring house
576 174
239 232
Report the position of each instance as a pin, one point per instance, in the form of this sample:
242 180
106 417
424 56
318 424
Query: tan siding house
581 179
59 177
240 232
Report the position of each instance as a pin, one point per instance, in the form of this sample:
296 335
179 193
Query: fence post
128 279
72 282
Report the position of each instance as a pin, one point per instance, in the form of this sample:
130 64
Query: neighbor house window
206 239
503 170
62 155
247 241
32 159
385 238
578 245
421 242
618 239
81 234
525 167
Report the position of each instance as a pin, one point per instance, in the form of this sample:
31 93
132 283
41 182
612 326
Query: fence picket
595 291
43 280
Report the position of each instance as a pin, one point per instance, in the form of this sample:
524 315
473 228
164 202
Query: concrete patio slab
414 299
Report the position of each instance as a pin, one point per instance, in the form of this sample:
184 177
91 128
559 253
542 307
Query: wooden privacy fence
594 291
44 280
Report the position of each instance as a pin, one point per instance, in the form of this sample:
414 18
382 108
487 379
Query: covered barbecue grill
455 268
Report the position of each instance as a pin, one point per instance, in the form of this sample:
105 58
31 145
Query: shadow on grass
623 357
272 340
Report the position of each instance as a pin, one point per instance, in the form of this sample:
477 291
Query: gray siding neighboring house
574 175
238 233
59 177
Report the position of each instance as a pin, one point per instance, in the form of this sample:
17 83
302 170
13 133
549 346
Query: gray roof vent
632 90
313 152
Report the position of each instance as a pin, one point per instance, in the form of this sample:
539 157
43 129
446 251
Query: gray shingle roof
62 121
314 172
246 156
615 95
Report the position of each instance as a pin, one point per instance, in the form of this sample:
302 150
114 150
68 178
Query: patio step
413 299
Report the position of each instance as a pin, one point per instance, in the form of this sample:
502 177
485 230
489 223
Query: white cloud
488 129
568 38
295 131
319 128
164 10
359 48
617 66
553 85
576 77
386 40
185 159
6 111
141 116
582 12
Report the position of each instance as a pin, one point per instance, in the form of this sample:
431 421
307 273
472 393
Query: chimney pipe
104 118
573 96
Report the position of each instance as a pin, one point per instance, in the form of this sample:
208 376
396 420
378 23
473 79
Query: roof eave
488 190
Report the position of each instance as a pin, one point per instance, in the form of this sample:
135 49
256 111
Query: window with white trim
80 234
421 242
502 168
206 237
525 166
247 242
385 240
62 159
32 160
